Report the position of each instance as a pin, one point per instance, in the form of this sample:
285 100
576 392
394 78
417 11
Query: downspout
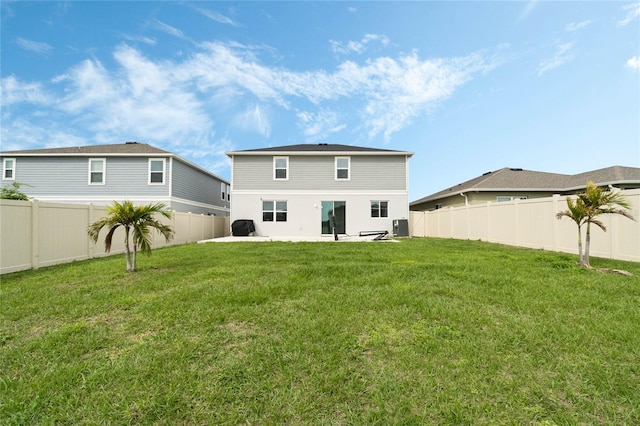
466 200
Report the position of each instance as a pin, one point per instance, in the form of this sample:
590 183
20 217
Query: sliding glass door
334 213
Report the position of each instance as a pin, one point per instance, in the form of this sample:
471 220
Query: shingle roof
121 148
322 147
510 179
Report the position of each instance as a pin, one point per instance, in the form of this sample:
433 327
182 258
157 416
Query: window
501 198
342 168
97 171
9 169
156 171
274 210
379 209
281 168
223 188
228 192
438 206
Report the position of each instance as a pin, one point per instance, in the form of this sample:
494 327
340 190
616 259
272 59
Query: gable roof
321 148
127 148
131 149
511 179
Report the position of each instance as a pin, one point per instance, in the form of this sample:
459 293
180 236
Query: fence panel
532 223
35 234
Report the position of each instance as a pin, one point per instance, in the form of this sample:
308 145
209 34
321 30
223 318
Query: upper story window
97 171
281 168
379 209
343 164
223 189
9 169
157 171
228 192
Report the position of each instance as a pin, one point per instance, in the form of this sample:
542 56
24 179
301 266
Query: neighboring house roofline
519 180
319 149
127 149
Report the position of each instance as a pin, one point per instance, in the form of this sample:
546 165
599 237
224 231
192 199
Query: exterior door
334 213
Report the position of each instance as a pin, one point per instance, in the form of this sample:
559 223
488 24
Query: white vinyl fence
34 234
532 223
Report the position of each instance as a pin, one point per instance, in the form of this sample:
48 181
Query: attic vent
516 170
130 143
488 173
323 144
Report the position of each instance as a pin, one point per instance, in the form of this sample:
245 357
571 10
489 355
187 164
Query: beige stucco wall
473 198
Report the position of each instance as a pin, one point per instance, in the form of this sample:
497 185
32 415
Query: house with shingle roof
509 184
101 174
316 189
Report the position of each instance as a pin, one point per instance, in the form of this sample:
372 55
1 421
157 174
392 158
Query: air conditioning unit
400 228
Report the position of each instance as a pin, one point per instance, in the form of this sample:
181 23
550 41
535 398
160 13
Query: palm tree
598 201
576 211
137 222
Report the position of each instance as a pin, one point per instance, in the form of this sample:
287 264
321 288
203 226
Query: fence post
556 223
516 218
89 242
35 234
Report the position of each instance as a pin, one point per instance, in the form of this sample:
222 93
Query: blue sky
468 86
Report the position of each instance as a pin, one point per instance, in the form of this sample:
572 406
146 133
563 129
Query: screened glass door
334 214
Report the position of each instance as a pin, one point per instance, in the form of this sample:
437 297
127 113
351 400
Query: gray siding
184 207
68 176
318 173
193 184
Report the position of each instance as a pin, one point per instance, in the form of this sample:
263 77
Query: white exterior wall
304 211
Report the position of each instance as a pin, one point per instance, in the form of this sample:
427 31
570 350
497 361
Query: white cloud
13 91
527 10
166 28
146 40
253 119
358 47
217 17
634 63
632 14
575 26
561 57
142 100
38 47
22 133
174 102
318 125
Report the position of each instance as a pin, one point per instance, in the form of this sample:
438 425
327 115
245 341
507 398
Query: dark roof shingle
323 147
121 148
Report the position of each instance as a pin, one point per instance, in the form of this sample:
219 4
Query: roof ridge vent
515 170
487 173
130 143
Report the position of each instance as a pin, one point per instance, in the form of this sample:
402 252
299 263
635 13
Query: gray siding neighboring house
508 184
296 190
101 174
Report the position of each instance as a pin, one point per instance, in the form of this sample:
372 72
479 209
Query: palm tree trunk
580 257
135 258
127 251
587 245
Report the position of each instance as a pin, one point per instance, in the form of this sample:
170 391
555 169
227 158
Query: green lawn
423 331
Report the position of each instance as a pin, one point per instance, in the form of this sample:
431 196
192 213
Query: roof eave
319 153
87 154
